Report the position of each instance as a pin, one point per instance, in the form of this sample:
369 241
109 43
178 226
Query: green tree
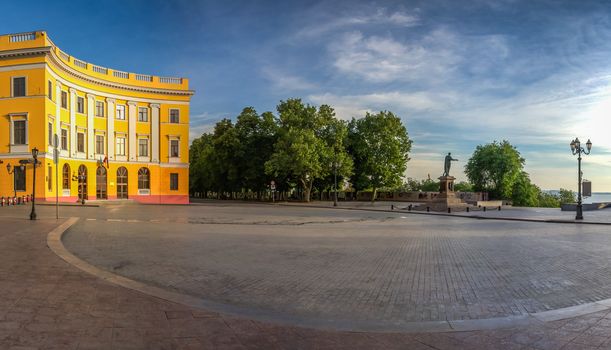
548 200
494 168
199 169
257 136
379 145
463 186
524 193
304 149
566 196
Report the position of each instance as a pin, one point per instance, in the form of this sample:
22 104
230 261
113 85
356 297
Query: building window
19 174
66 177
99 109
19 132
51 133
143 114
80 105
174 116
99 144
120 149
18 86
80 142
173 182
50 178
120 112
144 177
50 92
143 147
64 139
173 148
64 99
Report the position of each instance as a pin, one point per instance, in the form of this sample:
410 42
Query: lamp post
35 163
576 149
81 183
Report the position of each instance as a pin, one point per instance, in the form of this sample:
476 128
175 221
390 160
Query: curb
54 242
475 217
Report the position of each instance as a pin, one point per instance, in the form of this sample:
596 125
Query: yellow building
125 134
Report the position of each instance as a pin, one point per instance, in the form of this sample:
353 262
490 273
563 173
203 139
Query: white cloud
380 16
349 106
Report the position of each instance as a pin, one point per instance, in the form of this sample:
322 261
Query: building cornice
57 62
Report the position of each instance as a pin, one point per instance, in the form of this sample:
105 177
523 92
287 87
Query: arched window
66 177
144 179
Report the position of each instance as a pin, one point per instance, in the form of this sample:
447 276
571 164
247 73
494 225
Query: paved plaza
355 270
301 278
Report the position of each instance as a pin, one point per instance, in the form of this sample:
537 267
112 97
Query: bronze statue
447 164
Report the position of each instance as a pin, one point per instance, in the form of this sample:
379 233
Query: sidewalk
554 215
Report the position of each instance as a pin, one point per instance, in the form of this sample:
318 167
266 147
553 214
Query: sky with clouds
458 73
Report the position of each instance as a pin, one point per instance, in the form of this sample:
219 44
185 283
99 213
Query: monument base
446 200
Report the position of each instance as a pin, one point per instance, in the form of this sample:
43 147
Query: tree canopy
495 168
302 148
380 145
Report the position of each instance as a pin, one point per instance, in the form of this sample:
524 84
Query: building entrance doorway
82 183
122 183
100 183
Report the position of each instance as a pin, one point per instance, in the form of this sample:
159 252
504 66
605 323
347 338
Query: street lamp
576 149
11 172
81 183
35 163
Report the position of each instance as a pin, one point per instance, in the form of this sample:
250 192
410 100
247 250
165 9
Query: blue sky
459 73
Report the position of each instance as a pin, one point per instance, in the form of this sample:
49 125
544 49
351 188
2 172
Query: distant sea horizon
597 197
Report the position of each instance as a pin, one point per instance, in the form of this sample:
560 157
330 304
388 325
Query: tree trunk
373 195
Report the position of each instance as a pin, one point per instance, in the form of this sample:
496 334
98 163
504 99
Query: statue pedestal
446 199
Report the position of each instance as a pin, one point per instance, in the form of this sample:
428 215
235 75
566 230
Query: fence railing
99 69
119 74
80 63
144 77
169 80
15 38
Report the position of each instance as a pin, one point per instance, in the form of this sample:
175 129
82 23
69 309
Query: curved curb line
54 242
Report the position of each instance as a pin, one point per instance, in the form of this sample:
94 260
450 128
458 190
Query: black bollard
428 209
499 208
467 209
392 207
449 210
409 207
484 208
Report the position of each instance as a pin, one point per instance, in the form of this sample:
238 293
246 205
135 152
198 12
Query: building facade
120 135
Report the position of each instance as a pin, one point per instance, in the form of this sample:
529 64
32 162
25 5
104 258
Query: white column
58 103
132 142
154 132
90 133
73 122
110 128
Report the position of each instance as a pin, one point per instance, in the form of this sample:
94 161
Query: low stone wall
416 196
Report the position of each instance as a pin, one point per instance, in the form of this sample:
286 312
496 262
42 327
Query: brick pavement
48 304
360 273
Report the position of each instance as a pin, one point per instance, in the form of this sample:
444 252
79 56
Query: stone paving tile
55 306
